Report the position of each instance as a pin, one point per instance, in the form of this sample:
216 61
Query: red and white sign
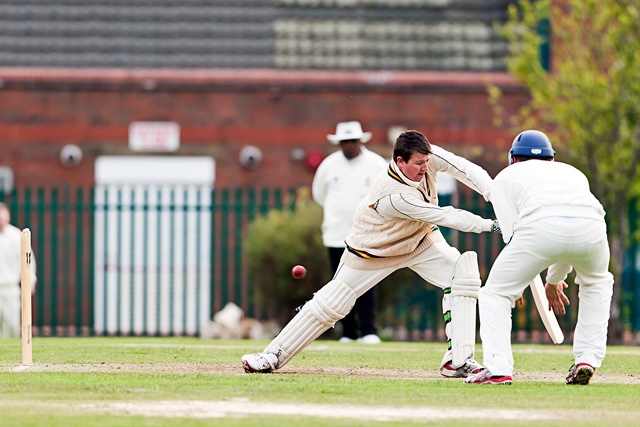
154 136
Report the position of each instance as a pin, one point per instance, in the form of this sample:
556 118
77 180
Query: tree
589 100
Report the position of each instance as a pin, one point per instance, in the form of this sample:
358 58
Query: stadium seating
291 34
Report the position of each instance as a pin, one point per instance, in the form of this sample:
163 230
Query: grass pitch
192 382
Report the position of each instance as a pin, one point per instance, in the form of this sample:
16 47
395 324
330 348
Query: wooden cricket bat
547 316
25 295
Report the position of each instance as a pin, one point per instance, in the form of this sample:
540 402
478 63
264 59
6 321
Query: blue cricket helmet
532 144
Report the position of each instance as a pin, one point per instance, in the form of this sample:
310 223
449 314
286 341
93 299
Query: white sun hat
349 130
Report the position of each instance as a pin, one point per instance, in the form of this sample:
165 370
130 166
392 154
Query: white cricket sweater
10 256
10 261
395 219
526 191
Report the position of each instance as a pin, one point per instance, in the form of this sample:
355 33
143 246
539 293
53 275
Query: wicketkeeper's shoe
580 374
261 363
470 367
485 377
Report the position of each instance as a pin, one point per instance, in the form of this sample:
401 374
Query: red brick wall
220 111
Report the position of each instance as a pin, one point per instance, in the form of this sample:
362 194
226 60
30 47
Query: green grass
74 380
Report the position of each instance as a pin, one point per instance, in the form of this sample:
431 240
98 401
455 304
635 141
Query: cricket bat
542 304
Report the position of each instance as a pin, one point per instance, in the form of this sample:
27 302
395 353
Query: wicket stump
25 295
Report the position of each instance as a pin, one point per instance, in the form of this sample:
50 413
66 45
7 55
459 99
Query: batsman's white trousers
578 242
436 265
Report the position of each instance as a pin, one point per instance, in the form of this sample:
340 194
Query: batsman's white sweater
338 186
394 220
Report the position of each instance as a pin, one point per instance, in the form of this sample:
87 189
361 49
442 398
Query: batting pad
330 304
462 301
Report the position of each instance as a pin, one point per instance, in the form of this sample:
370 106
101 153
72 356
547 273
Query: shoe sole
456 374
582 376
504 382
453 374
500 382
249 370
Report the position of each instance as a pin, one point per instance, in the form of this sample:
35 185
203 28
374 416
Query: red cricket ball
298 272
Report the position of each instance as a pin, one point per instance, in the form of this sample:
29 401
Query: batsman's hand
557 298
495 227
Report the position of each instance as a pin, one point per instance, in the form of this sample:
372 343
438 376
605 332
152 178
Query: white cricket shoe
346 340
262 363
470 367
370 339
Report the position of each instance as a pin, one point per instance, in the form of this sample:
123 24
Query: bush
281 239
273 245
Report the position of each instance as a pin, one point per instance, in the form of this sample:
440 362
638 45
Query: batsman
396 226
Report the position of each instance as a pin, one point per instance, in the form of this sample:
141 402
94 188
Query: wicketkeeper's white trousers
578 242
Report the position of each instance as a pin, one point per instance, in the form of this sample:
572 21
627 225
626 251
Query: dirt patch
204 368
246 408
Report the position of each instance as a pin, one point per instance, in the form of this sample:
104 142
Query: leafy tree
589 101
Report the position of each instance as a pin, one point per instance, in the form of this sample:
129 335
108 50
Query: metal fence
146 261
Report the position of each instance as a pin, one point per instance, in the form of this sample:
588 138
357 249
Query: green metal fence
130 263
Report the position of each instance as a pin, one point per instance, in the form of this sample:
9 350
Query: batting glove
495 227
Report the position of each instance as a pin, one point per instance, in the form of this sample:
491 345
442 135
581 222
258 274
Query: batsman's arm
465 171
408 206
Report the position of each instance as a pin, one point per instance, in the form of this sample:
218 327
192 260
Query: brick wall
220 111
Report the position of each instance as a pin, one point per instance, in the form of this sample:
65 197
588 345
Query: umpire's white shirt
338 186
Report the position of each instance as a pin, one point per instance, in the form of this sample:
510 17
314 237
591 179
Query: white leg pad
330 304
460 304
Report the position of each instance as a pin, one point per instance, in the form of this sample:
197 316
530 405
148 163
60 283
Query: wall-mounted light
250 157
70 155
297 154
393 132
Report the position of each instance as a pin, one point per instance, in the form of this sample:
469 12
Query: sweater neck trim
394 172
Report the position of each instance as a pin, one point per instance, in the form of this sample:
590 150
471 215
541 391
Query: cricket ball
298 272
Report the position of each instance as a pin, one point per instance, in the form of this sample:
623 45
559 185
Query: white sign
154 136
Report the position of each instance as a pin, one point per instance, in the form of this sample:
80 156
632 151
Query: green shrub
281 239
273 245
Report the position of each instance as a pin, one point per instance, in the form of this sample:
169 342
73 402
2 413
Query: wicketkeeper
549 218
395 226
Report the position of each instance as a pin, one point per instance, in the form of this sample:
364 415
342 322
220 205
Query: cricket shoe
485 377
370 339
580 374
261 363
470 367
